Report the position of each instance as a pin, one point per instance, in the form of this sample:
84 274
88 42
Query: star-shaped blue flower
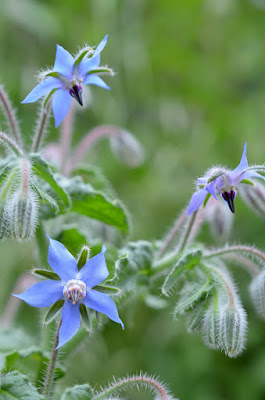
75 287
223 182
69 75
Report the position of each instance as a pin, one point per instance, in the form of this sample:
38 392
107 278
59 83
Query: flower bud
257 293
232 330
127 149
211 326
4 222
23 213
254 197
219 218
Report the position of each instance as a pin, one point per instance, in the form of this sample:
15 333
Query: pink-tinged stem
91 137
41 128
172 233
161 392
7 140
10 115
66 138
13 303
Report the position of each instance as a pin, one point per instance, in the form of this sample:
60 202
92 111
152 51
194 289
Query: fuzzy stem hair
161 393
10 116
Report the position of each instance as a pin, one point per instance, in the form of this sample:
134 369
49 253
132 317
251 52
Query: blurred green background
190 84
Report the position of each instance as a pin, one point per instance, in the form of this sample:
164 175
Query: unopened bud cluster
127 149
19 208
224 328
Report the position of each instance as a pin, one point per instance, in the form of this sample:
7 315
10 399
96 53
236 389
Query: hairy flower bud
257 293
127 149
219 218
254 197
211 327
23 213
4 222
233 327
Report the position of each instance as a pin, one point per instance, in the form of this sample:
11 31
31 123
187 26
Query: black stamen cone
76 93
229 198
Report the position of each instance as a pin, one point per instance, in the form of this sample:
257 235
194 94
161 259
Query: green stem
10 144
51 367
187 232
44 116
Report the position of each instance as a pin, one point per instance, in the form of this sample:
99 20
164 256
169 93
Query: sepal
46 274
53 311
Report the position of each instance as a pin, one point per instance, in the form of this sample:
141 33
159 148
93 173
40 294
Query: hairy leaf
78 392
15 386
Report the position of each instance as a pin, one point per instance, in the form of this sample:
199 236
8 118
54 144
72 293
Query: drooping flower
75 287
224 182
67 79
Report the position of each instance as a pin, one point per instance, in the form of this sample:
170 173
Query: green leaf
78 392
11 339
32 361
47 274
92 175
86 201
191 293
184 264
15 386
51 314
42 169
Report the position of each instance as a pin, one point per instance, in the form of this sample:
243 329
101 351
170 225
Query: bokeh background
190 85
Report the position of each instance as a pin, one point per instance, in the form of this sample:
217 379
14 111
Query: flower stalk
41 128
145 381
48 383
10 116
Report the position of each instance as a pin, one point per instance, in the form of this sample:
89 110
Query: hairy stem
172 233
41 127
13 146
251 251
135 381
187 232
91 137
10 115
66 138
210 270
51 367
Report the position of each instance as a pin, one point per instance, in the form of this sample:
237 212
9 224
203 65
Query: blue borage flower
67 78
223 182
74 287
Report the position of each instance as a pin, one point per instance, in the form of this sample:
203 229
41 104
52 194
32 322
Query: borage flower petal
95 270
42 88
61 261
61 104
70 322
64 62
102 303
42 294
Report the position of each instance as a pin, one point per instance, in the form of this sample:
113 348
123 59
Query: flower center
76 92
74 290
